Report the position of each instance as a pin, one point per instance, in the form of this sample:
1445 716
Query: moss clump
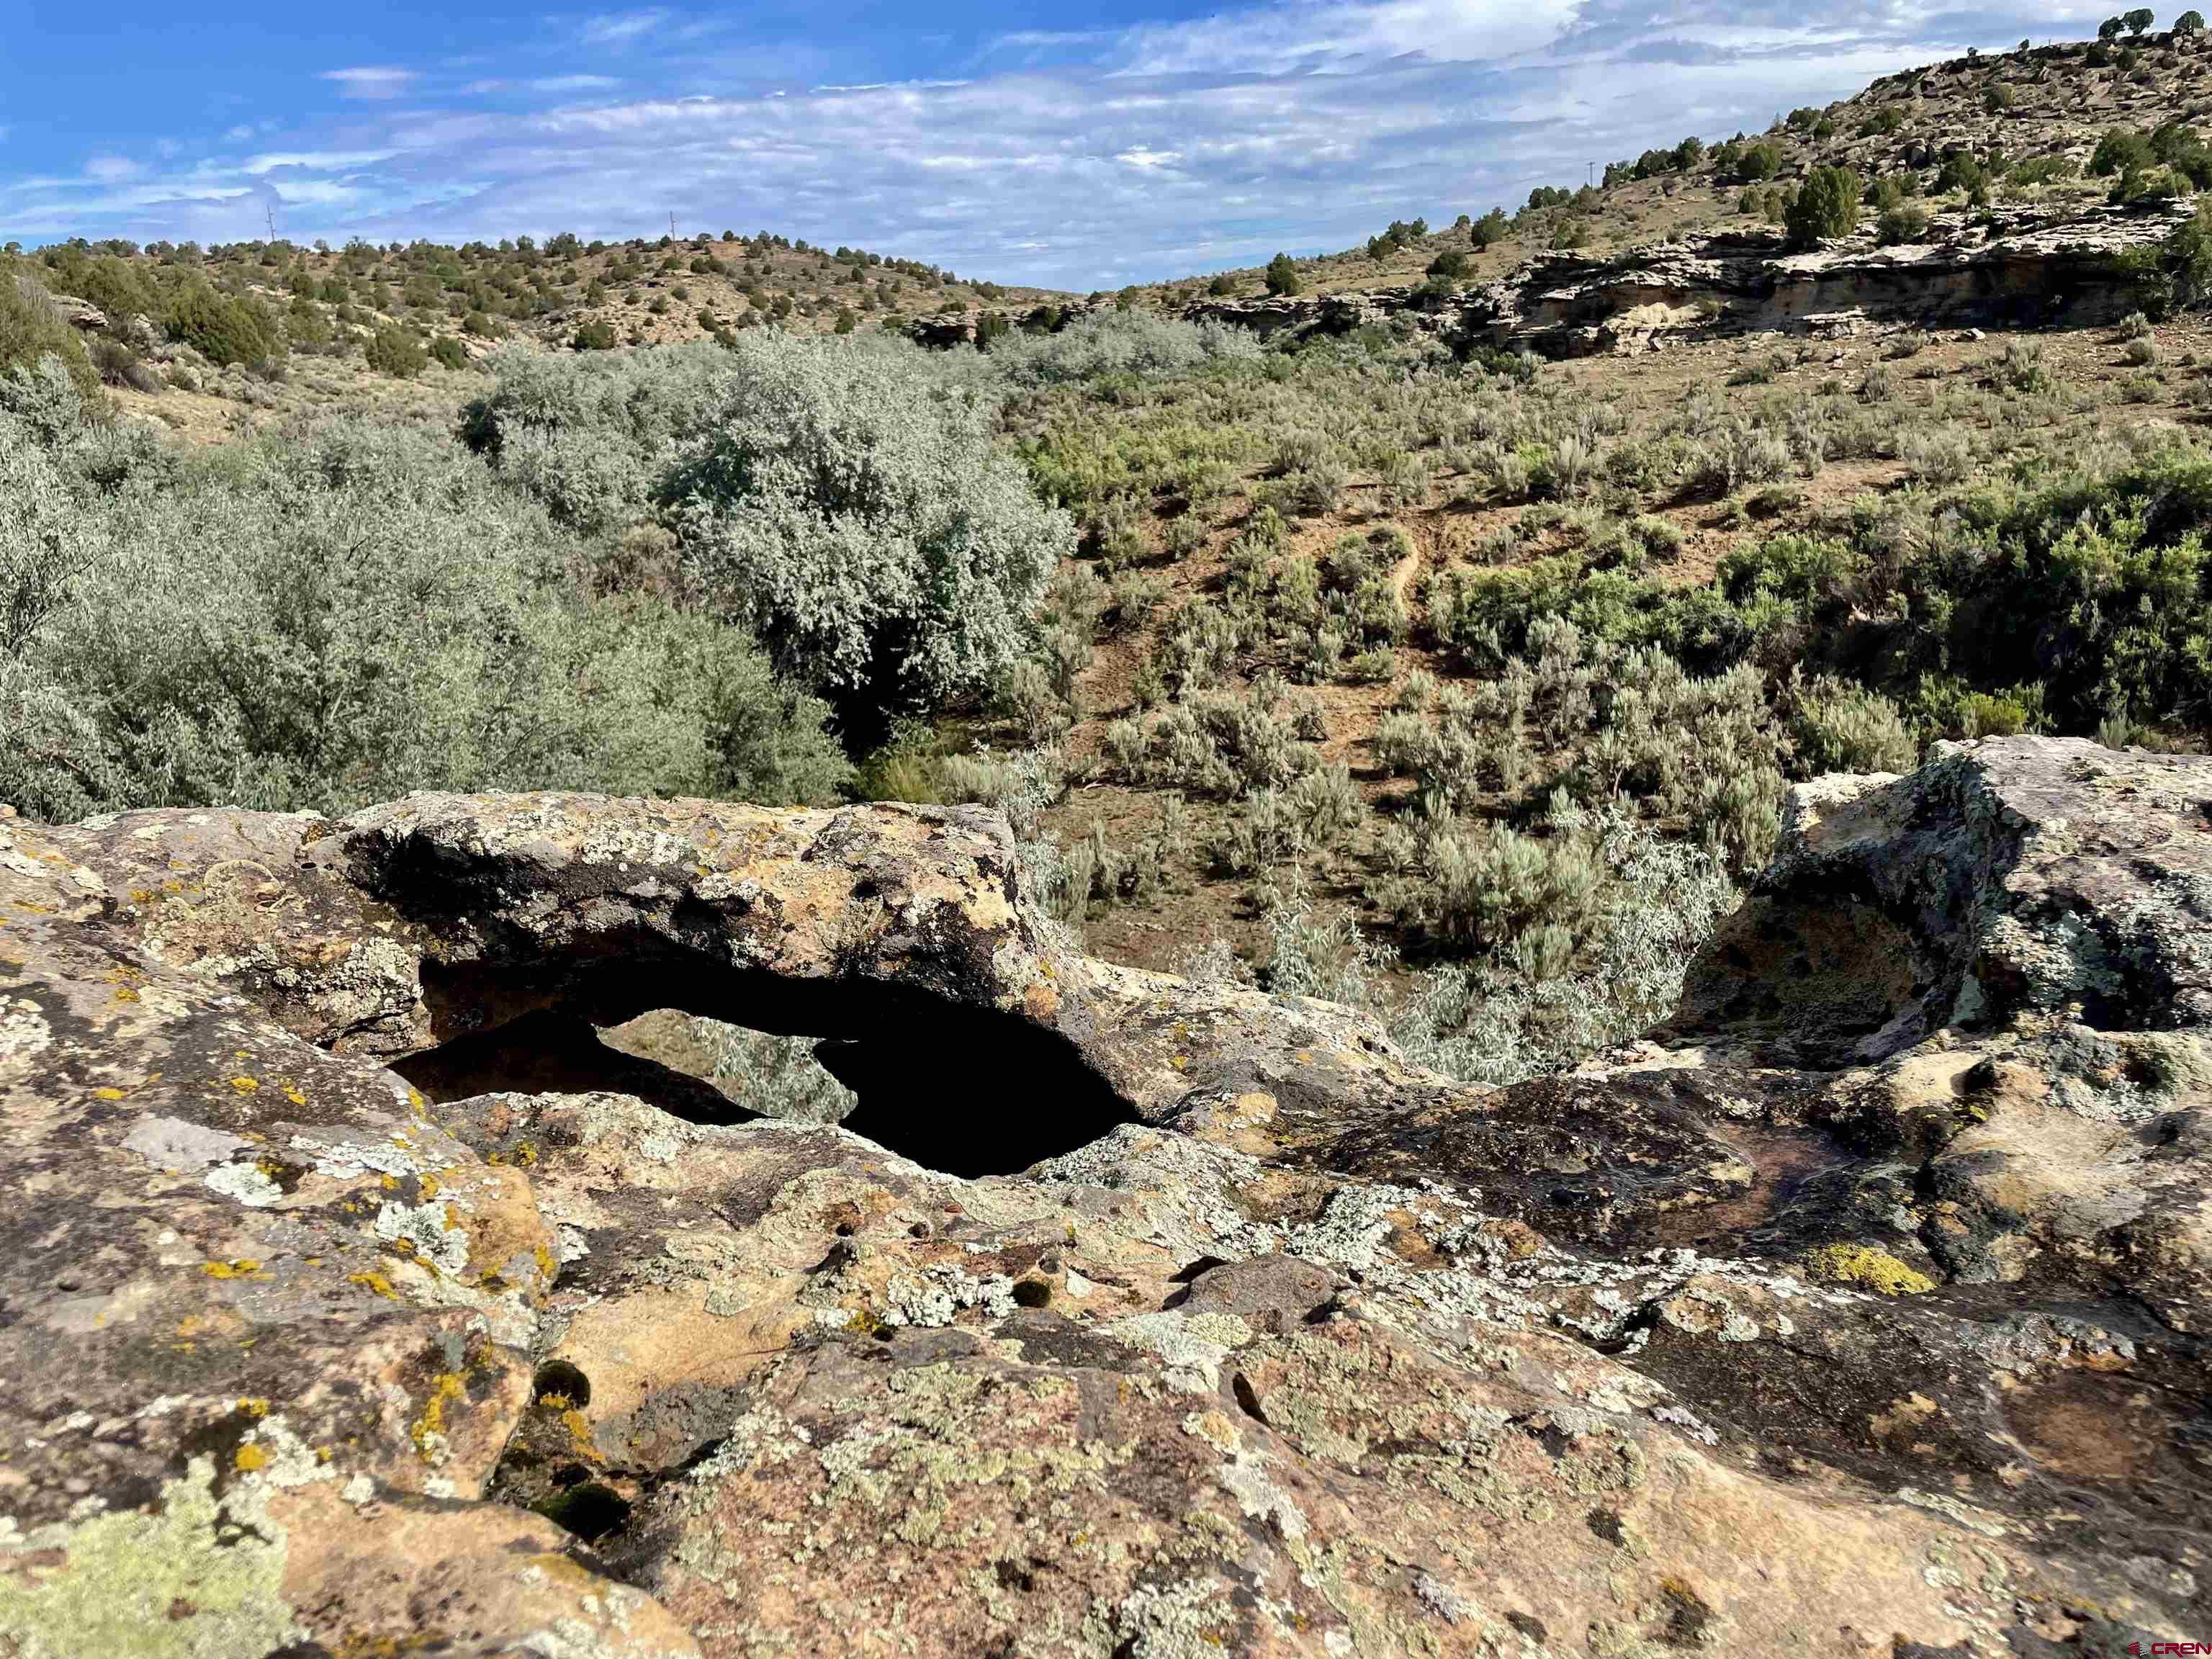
1862 1264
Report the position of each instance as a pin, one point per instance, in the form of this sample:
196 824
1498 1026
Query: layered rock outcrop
2000 267
1123 1316
2004 268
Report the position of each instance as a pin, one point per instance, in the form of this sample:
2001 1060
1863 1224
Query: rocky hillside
1124 1315
2020 128
2030 188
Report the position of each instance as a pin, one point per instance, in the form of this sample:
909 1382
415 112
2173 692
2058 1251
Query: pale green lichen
430 1231
1189 1620
245 1183
1192 1346
181 1580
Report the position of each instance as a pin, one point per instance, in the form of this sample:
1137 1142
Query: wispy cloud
371 80
622 29
1080 157
323 161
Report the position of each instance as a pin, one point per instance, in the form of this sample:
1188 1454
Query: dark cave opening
965 1091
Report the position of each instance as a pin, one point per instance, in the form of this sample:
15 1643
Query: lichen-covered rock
2039 874
358 1299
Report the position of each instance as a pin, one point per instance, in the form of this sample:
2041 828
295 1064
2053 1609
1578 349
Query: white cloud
109 168
621 28
313 161
1325 34
371 81
1077 158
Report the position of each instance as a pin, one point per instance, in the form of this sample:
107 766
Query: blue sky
1081 146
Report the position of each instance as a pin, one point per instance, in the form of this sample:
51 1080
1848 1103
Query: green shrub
223 328
31 329
394 350
1755 163
117 365
1842 727
2120 151
1282 275
116 286
1827 205
1906 222
2186 265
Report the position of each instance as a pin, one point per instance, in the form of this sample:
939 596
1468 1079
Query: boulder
79 313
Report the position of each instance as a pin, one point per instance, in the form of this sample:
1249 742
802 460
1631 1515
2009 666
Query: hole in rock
965 1091
1248 1398
589 1509
547 1052
557 1378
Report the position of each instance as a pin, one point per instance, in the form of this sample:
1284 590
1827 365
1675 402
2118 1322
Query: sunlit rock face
360 1297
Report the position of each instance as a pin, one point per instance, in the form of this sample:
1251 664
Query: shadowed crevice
966 1090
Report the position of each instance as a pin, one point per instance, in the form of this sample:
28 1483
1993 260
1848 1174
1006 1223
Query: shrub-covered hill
275 326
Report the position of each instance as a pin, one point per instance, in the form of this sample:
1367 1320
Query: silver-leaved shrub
336 615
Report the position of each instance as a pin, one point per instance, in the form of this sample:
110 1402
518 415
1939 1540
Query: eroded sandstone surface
358 1301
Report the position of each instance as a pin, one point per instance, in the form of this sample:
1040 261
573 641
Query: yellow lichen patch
1862 1264
243 1267
374 1282
296 1095
107 1094
251 1458
429 1432
254 1407
245 1085
579 1435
